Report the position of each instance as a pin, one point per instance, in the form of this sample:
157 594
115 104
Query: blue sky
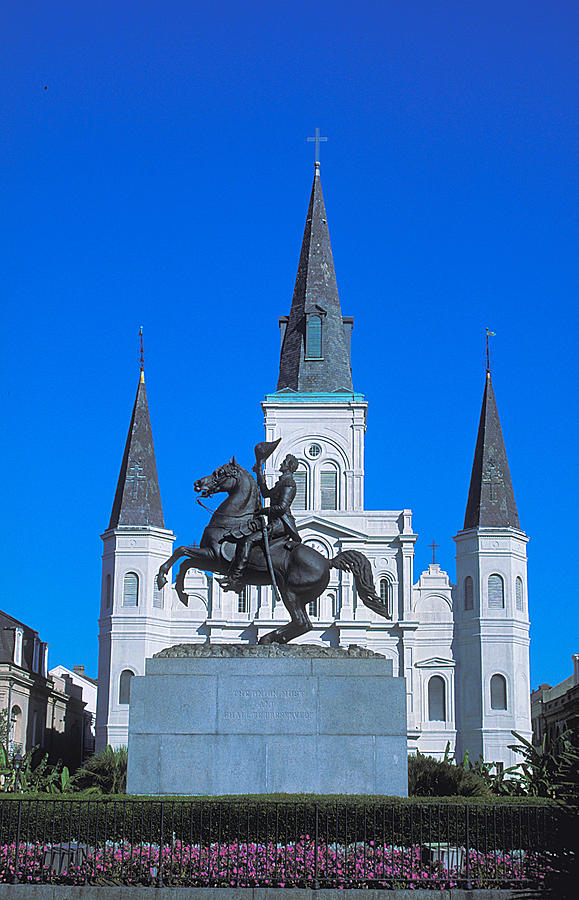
154 171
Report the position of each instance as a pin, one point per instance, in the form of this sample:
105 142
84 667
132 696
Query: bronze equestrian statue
252 545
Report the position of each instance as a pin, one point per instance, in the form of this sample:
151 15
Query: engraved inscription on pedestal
266 705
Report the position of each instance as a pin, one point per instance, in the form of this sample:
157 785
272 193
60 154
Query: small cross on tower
317 140
433 545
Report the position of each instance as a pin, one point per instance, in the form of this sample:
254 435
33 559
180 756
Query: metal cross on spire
489 334
434 546
317 140
142 362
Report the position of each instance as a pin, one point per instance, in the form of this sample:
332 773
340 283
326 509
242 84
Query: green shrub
429 777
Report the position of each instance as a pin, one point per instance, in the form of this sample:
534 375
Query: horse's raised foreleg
197 558
180 581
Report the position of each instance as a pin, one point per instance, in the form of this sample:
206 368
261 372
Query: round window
314 450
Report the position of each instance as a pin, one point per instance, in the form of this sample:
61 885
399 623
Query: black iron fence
287 844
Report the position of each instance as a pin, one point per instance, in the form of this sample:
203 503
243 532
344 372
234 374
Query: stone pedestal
241 719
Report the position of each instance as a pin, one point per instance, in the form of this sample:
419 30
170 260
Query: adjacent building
555 710
463 647
38 707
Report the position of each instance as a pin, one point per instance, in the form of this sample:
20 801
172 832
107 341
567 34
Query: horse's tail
359 565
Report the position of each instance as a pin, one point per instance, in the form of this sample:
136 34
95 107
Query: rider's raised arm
264 490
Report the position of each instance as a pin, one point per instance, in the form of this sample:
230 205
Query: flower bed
252 864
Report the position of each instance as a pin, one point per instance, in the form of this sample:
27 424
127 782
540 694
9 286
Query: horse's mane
233 468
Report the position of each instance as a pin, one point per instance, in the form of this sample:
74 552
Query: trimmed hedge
525 824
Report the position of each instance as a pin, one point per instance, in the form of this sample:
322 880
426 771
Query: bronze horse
301 573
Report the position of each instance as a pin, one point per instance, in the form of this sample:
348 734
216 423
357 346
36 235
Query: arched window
498 692
301 480
109 592
496 592
333 601
436 699
314 337
313 608
16 728
519 593
468 593
125 685
131 589
386 595
157 596
329 489
242 600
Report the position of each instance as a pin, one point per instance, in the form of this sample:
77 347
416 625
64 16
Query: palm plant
103 773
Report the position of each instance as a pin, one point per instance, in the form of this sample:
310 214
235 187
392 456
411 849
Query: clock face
317 545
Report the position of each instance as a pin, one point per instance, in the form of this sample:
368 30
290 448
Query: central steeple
315 353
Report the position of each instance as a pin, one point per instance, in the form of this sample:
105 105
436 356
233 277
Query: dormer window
18 639
314 337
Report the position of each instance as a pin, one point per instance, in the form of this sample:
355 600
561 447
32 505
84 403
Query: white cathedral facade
462 647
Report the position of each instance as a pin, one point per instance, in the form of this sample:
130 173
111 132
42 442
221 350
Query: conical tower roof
138 499
491 499
315 293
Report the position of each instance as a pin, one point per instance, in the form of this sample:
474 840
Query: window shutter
301 480
329 489
519 593
496 592
130 589
314 337
468 593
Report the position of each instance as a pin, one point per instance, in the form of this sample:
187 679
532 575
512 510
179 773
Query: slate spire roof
138 499
491 499
315 294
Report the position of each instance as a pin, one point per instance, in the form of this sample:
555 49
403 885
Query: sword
262 452
267 554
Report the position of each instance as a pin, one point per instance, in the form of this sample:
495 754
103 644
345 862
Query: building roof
138 499
8 625
491 500
316 292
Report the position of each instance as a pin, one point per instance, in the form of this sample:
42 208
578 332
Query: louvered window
468 593
301 480
125 685
131 589
329 489
157 596
498 692
519 594
109 591
436 699
386 595
314 337
496 592
242 601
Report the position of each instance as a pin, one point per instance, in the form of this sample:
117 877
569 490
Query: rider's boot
234 580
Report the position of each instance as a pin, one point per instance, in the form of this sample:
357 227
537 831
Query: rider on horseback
281 521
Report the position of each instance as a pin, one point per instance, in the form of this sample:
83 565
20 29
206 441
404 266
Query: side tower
135 617
491 631
315 409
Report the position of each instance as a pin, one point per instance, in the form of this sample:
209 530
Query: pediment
435 662
325 526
